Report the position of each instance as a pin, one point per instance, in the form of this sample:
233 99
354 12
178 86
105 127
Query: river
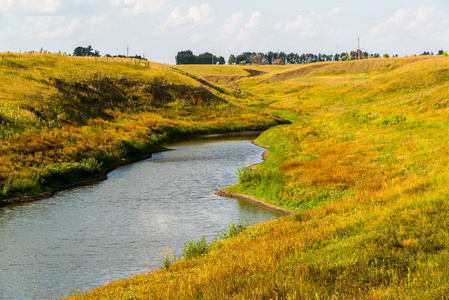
83 237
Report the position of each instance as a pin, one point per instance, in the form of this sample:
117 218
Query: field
363 163
66 119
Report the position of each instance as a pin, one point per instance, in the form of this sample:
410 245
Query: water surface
86 236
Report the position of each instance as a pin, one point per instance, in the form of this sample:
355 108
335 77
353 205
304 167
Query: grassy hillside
67 119
365 166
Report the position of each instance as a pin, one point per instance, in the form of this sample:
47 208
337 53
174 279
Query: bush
70 172
232 230
192 249
18 187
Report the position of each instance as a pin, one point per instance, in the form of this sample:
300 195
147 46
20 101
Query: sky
158 29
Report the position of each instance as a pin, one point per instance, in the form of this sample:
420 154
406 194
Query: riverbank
251 199
84 237
105 177
256 202
80 117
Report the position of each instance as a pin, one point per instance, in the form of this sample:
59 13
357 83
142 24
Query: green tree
206 59
85 51
386 55
231 59
185 58
221 60
244 58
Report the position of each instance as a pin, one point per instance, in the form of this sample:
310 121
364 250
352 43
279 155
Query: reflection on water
86 236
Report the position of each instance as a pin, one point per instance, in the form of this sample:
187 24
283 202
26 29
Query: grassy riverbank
365 166
68 119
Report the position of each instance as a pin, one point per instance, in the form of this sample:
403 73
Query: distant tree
293 58
85 51
440 52
231 59
206 59
221 60
386 55
278 61
282 56
257 59
337 57
244 57
345 56
185 58
269 57
358 54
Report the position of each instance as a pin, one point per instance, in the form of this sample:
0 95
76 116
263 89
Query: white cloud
232 24
100 23
47 6
239 28
254 22
196 16
136 7
425 23
175 19
50 27
251 27
309 25
5 5
201 14
334 12
5 32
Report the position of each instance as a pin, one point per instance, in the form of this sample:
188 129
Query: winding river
86 236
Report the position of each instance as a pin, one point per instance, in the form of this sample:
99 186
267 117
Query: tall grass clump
262 182
232 230
194 249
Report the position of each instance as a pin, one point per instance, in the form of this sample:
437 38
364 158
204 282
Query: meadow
64 120
364 164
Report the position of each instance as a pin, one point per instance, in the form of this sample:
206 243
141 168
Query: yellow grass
364 165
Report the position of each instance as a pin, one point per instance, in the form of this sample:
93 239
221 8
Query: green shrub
70 172
192 249
168 258
18 187
233 230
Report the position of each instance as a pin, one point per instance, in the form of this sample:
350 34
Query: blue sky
159 29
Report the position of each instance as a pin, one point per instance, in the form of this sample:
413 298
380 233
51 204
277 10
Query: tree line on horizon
89 51
275 58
